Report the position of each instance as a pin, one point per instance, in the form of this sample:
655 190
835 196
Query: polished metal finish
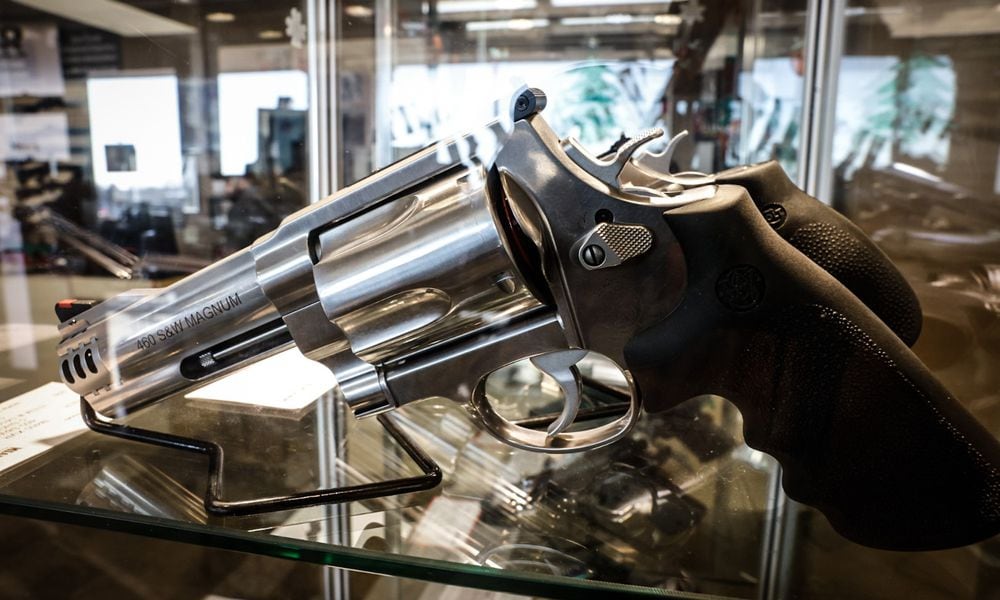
611 244
139 340
668 190
659 162
644 174
649 174
414 273
652 170
389 280
685 196
284 259
608 171
557 203
410 284
561 366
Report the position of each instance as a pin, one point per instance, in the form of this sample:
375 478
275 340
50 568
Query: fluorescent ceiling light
358 11
607 20
667 19
915 171
270 34
462 6
515 24
220 17
116 17
857 11
576 3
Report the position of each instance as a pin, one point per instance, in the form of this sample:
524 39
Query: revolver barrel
143 346
363 288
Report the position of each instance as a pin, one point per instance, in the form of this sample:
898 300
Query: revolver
510 243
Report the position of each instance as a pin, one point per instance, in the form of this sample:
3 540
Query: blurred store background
141 140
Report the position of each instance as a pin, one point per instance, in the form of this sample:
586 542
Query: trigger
561 367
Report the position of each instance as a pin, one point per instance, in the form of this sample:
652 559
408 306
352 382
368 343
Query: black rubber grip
834 243
862 429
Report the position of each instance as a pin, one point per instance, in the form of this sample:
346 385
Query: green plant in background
597 102
776 138
594 95
910 114
925 107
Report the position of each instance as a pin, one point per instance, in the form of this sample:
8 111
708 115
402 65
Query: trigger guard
560 443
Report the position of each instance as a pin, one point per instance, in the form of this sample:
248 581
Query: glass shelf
679 509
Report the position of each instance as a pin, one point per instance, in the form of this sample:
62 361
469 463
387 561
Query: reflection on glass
733 78
889 108
915 154
593 101
146 141
119 116
774 89
242 96
640 511
43 137
29 60
192 142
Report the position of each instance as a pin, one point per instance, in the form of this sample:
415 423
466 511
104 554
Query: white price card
37 421
285 381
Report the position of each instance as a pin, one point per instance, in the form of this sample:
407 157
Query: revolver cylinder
431 266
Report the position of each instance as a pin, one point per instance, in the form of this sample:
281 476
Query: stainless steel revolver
510 243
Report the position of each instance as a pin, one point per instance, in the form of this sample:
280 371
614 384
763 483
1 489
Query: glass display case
145 141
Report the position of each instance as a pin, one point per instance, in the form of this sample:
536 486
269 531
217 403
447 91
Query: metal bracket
214 503
430 478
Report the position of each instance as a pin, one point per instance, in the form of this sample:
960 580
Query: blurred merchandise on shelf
143 140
